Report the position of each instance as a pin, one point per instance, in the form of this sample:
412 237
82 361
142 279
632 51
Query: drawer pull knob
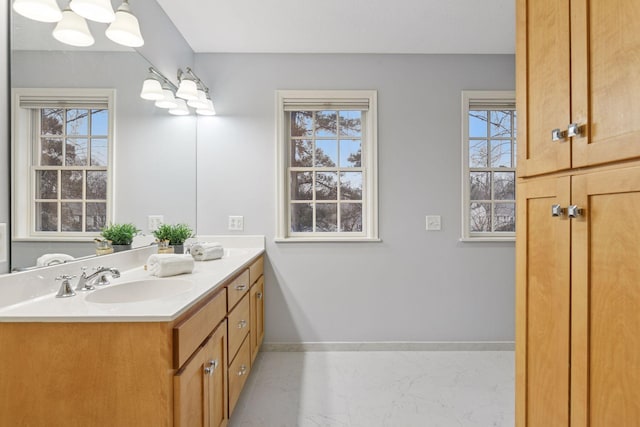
259 295
574 211
574 129
240 287
558 135
242 324
242 371
557 210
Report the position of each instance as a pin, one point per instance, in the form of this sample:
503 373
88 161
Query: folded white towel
164 265
53 259
207 251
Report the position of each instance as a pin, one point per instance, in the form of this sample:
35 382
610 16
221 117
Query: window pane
301 123
504 187
500 123
301 186
326 185
51 121
51 151
505 217
302 153
501 154
350 185
97 185
350 153
326 217
478 123
46 216
478 153
480 189
46 184
350 123
326 123
96 216
98 152
480 217
327 153
76 154
351 217
301 217
71 184
71 215
99 122
77 122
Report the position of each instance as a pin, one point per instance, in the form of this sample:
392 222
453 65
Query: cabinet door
543 85
257 317
605 84
542 304
200 387
605 365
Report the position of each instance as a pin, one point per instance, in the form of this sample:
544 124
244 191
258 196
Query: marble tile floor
379 389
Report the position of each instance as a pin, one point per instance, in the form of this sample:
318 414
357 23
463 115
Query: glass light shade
187 90
73 30
151 89
201 102
181 109
168 101
95 10
209 111
38 10
125 29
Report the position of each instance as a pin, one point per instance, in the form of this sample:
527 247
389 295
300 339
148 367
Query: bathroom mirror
155 152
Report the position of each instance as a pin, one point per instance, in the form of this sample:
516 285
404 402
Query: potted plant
175 234
120 235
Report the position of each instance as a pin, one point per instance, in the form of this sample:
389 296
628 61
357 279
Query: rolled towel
53 259
207 251
164 265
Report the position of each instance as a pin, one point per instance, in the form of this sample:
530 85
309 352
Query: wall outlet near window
236 223
433 222
154 222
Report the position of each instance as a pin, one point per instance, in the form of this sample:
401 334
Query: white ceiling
345 26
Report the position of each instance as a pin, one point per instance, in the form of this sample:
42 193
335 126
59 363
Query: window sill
486 239
327 240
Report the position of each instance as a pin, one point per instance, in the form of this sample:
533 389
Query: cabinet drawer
238 326
192 331
237 289
256 270
238 372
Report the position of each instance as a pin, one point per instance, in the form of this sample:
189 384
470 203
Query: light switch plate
154 222
434 223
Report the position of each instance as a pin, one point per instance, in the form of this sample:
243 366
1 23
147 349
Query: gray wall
414 285
4 128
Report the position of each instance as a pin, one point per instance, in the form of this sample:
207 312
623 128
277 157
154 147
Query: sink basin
139 290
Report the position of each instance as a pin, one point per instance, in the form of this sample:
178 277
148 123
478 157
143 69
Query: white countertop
206 276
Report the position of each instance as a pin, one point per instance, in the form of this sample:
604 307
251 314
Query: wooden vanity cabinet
256 299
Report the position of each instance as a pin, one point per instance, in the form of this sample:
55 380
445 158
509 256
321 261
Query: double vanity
140 351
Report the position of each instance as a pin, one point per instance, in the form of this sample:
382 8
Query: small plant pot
120 248
178 249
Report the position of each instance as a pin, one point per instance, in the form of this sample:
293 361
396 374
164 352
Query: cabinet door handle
240 287
242 371
259 295
208 370
558 135
213 363
574 211
574 129
242 324
557 210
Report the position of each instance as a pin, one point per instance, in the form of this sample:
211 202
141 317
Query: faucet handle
65 290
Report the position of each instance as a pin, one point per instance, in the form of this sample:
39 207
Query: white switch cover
433 222
3 242
236 223
154 222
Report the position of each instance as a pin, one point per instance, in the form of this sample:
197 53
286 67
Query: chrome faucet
98 278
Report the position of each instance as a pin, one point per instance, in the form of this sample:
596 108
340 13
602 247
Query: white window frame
469 98
369 162
23 139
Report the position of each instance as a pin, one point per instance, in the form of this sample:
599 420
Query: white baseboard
392 346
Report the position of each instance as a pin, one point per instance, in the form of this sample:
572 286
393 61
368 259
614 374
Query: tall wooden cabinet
578 231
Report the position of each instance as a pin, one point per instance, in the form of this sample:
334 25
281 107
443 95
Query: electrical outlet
433 222
154 222
236 223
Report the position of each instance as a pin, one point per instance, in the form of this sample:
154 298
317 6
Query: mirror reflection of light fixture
168 100
38 10
125 29
208 110
181 109
152 86
188 89
201 102
166 95
94 10
73 30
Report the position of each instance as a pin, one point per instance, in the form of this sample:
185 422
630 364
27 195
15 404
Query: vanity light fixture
208 110
125 29
188 89
38 10
201 102
181 109
73 30
169 99
94 10
152 86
